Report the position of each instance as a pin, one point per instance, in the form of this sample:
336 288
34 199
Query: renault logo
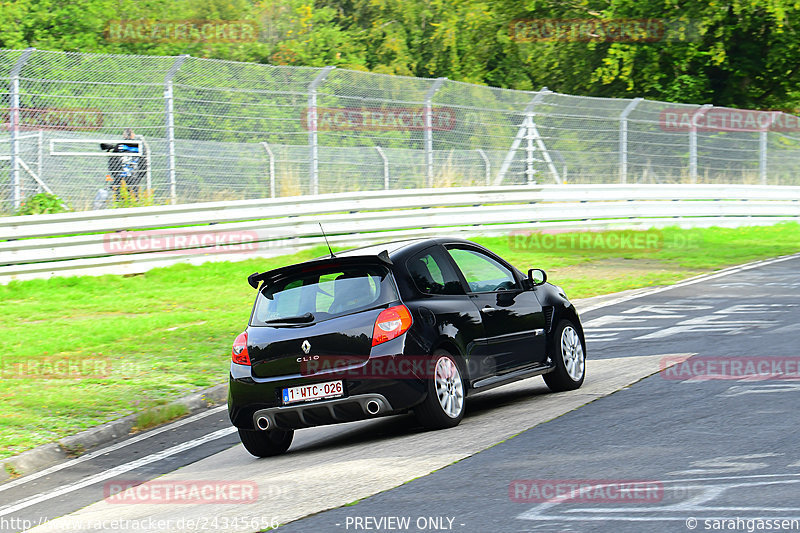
306 346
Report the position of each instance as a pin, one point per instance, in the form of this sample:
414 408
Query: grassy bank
147 339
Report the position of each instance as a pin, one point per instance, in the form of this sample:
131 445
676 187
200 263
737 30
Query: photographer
130 168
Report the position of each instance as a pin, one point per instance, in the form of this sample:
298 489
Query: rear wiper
308 317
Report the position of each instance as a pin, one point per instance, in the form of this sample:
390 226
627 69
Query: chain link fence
222 130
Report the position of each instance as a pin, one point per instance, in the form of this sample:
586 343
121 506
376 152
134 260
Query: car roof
399 249
391 247
387 252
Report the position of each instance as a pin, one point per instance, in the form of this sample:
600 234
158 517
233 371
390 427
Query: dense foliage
743 53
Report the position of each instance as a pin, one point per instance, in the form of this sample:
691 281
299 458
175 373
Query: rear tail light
390 324
239 353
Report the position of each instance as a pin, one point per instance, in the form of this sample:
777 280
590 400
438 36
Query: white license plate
305 393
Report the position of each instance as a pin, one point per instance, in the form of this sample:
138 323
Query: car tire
568 351
444 403
266 443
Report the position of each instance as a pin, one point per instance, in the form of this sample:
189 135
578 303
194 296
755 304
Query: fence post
271 169
763 137
148 159
312 127
429 130
385 167
522 132
693 142
487 166
13 124
40 154
623 139
762 156
169 110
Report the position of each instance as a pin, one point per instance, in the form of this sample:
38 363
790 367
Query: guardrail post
271 157
623 139
521 133
13 124
429 130
385 167
487 166
693 142
169 111
312 128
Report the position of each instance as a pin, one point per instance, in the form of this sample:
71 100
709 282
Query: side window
432 274
483 274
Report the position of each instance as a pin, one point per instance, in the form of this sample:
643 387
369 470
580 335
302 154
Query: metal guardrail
137 239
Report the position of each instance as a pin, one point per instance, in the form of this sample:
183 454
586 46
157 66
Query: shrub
42 203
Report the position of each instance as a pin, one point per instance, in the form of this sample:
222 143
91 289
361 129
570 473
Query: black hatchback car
409 325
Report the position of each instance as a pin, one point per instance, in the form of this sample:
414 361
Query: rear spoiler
255 278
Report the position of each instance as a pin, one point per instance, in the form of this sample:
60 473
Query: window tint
483 274
432 274
324 294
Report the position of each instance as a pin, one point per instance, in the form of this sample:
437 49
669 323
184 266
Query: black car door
513 320
449 309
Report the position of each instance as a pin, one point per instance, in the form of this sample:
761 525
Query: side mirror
536 277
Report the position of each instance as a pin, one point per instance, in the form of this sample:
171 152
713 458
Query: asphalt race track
634 450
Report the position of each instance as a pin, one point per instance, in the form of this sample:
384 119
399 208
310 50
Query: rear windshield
323 293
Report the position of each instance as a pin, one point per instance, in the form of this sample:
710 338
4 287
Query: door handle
488 308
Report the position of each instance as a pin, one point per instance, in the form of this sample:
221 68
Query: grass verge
136 342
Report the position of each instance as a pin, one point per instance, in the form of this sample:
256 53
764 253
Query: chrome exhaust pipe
373 407
262 422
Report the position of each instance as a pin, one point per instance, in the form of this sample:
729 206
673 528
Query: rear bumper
332 411
248 396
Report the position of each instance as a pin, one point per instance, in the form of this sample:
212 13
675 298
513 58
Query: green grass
168 332
158 415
